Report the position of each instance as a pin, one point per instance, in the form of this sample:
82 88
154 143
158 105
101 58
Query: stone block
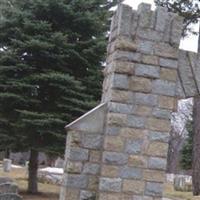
150 59
113 130
144 11
91 141
159 136
146 47
133 186
176 30
135 121
166 50
124 67
93 183
113 143
149 34
110 184
77 181
124 13
164 87
132 133
137 161
133 146
110 196
125 45
131 173
95 156
120 81
167 102
158 149
75 138
161 125
140 84
68 193
114 158
168 74
110 171
186 75
138 197
145 99
162 16
168 63
117 119
154 175
74 167
154 189
157 163
121 96
149 71
91 168
78 154
85 194
143 111
126 56
161 113
120 108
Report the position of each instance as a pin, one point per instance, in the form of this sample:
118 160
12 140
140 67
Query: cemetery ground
46 191
51 192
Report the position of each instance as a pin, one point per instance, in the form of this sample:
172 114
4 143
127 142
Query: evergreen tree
186 154
50 57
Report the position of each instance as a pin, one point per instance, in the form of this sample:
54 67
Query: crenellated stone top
135 34
158 25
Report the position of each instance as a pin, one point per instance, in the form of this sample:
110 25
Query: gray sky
189 43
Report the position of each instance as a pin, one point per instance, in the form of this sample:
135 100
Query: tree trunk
196 147
32 171
7 153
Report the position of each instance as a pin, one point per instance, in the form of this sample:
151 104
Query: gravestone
118 150
10 197
8 188
6 180
7 165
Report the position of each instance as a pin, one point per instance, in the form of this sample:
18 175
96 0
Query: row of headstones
8 189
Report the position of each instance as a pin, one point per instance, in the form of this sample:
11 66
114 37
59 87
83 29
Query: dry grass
46 191
176 195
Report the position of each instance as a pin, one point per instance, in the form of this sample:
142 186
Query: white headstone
7 165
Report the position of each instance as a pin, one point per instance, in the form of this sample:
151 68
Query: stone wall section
83 156
140 87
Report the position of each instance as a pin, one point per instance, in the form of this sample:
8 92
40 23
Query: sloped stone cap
92 121
189 74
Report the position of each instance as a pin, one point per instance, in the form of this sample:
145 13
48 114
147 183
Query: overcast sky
189 43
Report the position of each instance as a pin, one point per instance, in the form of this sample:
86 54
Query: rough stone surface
114 158
154 189
131 173
79 154
133 146
147 71
77 181
157 163
110 184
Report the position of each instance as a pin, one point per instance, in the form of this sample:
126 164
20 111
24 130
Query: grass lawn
51 192
176 195
47 191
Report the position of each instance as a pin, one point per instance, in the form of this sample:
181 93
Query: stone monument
118 150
